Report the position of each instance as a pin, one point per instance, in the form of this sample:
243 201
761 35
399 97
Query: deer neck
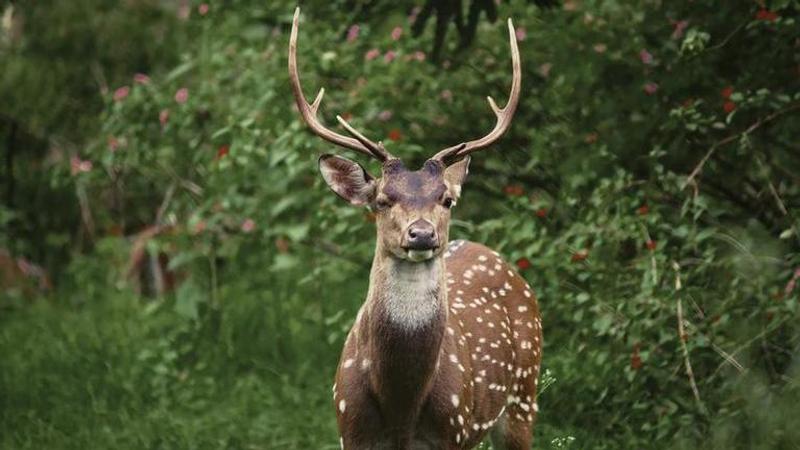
406 318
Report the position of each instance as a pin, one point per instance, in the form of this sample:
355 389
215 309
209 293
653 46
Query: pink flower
396 33
121 93
163 117
203 9
544 69
414 13
352 33
141 78
389 56
419 56
182 95
74 165
184 10
77 165
650 88
248 225
446 95
678 27
113 143
199 227
372 54
521 33
600 48
385 115
646 57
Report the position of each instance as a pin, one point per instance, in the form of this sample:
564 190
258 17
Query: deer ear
455 174
347 179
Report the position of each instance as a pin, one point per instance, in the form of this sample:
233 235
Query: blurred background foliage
176 275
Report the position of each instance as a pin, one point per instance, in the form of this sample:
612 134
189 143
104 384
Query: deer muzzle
420 240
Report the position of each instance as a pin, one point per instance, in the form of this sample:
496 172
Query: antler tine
504 115
363 139
309 111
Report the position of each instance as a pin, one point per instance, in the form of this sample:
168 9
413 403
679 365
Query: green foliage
120 375
648 185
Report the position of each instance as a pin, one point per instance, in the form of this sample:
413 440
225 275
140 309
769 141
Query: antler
309 111
504 115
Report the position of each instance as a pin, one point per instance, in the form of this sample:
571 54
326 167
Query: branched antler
308 111
504 115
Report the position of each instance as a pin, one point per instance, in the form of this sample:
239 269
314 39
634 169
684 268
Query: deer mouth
419 255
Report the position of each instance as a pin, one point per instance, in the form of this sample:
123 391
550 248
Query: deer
446 348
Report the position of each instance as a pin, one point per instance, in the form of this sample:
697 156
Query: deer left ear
347 179
455 174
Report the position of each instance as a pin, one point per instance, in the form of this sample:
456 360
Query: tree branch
682 338
733 137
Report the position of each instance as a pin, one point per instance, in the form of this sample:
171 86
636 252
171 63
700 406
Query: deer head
412 207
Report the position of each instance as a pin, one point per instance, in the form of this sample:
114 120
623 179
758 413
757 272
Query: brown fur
447 345
404 393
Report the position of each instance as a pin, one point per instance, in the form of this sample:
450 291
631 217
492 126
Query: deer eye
448 202
382 203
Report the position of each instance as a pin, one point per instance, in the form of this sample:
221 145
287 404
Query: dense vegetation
649 190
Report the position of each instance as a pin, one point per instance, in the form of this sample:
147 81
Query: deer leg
512 431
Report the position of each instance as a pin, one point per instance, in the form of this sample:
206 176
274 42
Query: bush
647 190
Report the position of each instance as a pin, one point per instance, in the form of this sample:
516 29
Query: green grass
124 374
117 372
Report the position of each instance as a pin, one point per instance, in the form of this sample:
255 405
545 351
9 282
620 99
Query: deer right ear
456 174
347 179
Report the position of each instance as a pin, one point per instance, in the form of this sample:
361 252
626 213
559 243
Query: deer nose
421 236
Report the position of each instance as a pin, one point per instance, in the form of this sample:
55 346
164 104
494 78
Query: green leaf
187 298
179 71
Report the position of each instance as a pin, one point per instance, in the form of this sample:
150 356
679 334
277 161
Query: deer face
412 208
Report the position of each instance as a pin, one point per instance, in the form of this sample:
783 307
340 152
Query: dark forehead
413 188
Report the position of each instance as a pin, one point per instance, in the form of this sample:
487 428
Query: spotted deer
447 346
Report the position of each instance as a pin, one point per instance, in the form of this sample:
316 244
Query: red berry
514 190
395 135
636 359
726 92
523 263
766 15
580 255
222 151
729 106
